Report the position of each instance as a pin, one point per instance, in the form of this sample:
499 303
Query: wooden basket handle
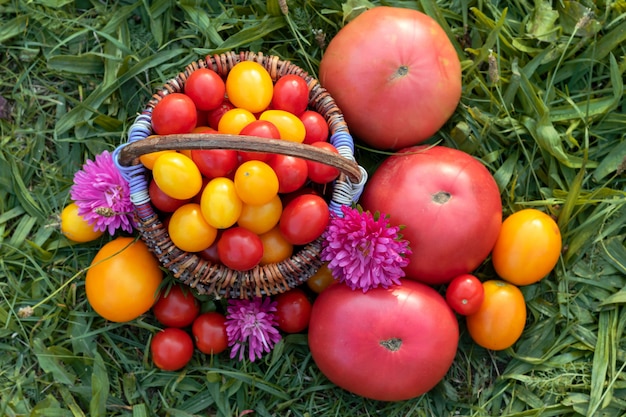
130 153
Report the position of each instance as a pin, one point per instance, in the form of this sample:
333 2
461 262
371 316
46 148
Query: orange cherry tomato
189 230
321 280
528 247
275 247
256 182
123 280
249 86
233 121
500 320
76 228
261 218
148 159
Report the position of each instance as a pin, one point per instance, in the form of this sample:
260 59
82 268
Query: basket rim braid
189 268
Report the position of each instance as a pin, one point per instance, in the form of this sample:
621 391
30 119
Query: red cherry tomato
240 249
174 113
304 219
322 173
176 307
162 201
209 333
214 163
171 348
214 116
292 172
205 88
262 129
465 294
291 93
316 127
293 311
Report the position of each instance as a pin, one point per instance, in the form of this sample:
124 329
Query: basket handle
131 151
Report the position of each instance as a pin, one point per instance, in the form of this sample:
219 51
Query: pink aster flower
251 323
363 250
102 195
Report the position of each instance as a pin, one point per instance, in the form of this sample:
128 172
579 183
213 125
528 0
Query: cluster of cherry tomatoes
240 208
186 326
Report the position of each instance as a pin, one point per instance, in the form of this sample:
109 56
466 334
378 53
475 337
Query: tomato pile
239 208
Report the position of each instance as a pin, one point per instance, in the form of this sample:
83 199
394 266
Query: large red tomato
395 75
449 203
386 344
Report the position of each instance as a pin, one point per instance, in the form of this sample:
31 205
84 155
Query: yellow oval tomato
528 247
75 227
500 320
123 280
249 86
177 175
261 218
291 128
189 230
234 120
220 204
256 182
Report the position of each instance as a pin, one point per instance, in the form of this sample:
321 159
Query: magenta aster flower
102 195
363 250
251 323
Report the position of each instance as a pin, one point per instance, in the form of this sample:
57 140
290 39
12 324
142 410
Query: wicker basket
191 269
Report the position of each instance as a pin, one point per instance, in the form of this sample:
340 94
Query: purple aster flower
363 250
251 323
102 195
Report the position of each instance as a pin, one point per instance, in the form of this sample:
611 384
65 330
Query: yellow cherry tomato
261 218
256 182
234 120
220 204
500 320
123 279
177 175
189 230
249 86
75 227
528 247
291 128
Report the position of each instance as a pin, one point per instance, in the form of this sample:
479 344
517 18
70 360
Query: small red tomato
171 348
262 129
465 294
293 311
291 93
214 116
292 172
214 163
176 307
304 219
239 248
322 173
205 88
209 332
162 201
316 127
174 113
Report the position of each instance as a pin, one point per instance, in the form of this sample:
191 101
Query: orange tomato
500 321
249 86
262 218
321 280
275 247
528 247
234 120
189 230
256 182
148 159
123 280
75 227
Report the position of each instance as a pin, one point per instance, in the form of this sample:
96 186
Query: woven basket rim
190 268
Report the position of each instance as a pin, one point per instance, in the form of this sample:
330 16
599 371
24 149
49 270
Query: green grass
543 107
